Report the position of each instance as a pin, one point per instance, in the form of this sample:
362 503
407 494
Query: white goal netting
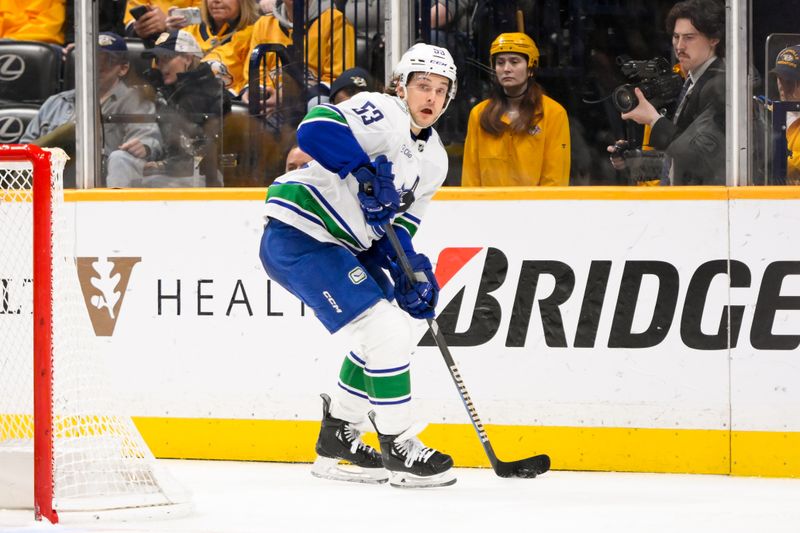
100 461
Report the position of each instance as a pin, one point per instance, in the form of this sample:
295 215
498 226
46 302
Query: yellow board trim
582 193
763 453
163 195
598 449
461 193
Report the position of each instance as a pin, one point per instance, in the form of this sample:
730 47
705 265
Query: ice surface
257 497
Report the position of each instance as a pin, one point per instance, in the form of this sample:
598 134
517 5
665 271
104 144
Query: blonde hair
248 14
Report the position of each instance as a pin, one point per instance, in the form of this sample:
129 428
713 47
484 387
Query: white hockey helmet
431 59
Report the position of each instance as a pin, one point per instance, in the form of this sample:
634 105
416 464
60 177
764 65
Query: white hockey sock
385 336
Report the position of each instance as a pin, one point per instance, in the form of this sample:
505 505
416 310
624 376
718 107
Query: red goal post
65 448
41 162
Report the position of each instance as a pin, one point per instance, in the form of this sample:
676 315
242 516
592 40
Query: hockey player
377 159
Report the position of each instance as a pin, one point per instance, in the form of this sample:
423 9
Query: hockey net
89 458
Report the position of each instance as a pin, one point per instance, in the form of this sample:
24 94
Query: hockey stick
525 468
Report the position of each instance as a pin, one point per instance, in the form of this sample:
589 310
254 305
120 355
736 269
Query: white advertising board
765 365
561 313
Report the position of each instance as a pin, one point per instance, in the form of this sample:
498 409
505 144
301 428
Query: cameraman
693 140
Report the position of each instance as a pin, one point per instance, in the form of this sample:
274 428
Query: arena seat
13 121
30 72
69 70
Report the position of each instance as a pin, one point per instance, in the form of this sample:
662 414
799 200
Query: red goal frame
41 162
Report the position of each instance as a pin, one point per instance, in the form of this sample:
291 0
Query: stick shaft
438 337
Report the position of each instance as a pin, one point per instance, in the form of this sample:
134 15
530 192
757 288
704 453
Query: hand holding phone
138 11
150 21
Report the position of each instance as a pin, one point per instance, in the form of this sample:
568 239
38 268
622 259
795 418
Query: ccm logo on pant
331 301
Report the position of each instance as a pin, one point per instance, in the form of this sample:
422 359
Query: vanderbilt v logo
103 283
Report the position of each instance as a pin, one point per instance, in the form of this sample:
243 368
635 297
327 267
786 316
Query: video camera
642 165
654 77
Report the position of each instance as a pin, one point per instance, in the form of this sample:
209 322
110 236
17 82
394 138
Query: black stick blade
524 468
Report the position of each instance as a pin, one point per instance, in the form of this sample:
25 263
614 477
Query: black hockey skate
411 463
338 441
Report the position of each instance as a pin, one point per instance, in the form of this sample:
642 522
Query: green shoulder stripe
321 112
303 198
409 226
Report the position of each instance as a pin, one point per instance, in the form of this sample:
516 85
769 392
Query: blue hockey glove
377 194
417 296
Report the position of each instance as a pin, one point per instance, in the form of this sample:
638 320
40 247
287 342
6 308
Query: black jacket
197 91
190 117
696 142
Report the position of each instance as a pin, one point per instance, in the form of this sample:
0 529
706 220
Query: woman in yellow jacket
222 21
518 136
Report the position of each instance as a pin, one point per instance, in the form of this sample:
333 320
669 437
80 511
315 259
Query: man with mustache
693 139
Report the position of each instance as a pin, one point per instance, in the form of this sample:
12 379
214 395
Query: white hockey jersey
317 201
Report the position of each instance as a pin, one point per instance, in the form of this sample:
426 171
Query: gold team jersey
209 42
335 56
207 39
793 162
33 20
540 156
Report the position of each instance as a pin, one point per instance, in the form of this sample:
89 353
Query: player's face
511 70
692 48
296 159
426 95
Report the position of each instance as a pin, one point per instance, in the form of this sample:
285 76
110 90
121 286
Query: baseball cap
111 42
354 77
787 64
174 42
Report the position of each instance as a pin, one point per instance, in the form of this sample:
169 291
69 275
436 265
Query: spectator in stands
330 47
693 139
350 82
296 158
154 20
126 146
190 105
42 21
519 136
787 69
221 20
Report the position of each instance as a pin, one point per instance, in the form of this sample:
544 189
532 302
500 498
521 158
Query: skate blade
328 468
404 480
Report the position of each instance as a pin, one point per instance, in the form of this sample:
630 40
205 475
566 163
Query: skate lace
414 450
353 436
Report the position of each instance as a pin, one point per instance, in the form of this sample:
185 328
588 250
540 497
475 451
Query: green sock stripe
389 387
352 375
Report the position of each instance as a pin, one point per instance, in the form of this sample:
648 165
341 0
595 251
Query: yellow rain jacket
540 156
